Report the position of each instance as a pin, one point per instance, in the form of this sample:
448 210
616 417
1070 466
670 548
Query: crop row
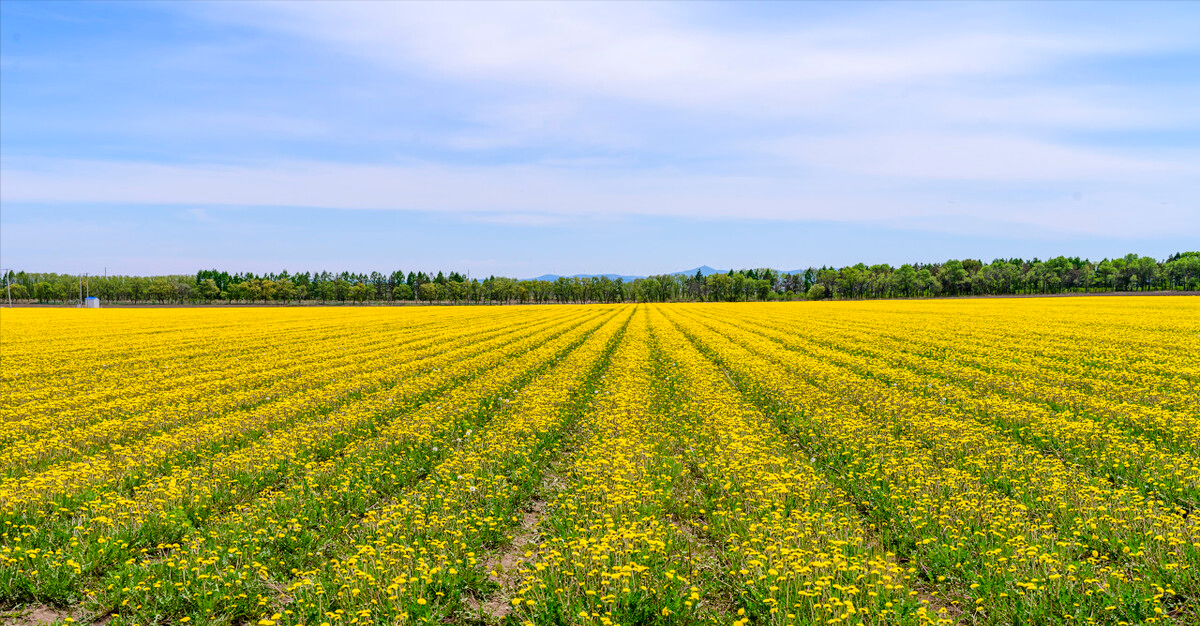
899 463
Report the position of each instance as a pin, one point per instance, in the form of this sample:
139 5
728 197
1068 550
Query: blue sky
561 138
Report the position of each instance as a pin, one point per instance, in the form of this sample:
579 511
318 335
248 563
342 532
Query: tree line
955 277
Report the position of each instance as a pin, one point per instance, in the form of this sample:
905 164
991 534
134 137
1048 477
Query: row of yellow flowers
792 543
121 521
611 550
993 519
248 380
134 367
117 464
907 463
1132 400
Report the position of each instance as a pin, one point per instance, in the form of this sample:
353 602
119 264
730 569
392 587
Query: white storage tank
91 303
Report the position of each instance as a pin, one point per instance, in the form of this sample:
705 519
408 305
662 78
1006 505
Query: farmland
909 462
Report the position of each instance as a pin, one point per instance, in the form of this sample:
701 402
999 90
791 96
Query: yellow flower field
1006 461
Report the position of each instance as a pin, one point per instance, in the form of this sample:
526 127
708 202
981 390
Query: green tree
285 290
430 292
341 289
905 279
720 287
360 292
828 278
160 289
953 276
927 283
208 289
1147 272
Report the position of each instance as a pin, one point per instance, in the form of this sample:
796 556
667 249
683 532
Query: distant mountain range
707 271
554 277
703 269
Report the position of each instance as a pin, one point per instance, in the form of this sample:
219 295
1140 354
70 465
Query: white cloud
543 196
915 116
979 92
668 54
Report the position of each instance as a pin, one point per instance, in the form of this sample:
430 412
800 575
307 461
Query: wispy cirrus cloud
681 56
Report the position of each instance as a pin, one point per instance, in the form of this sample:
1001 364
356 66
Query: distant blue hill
554 277
708 271
703 269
